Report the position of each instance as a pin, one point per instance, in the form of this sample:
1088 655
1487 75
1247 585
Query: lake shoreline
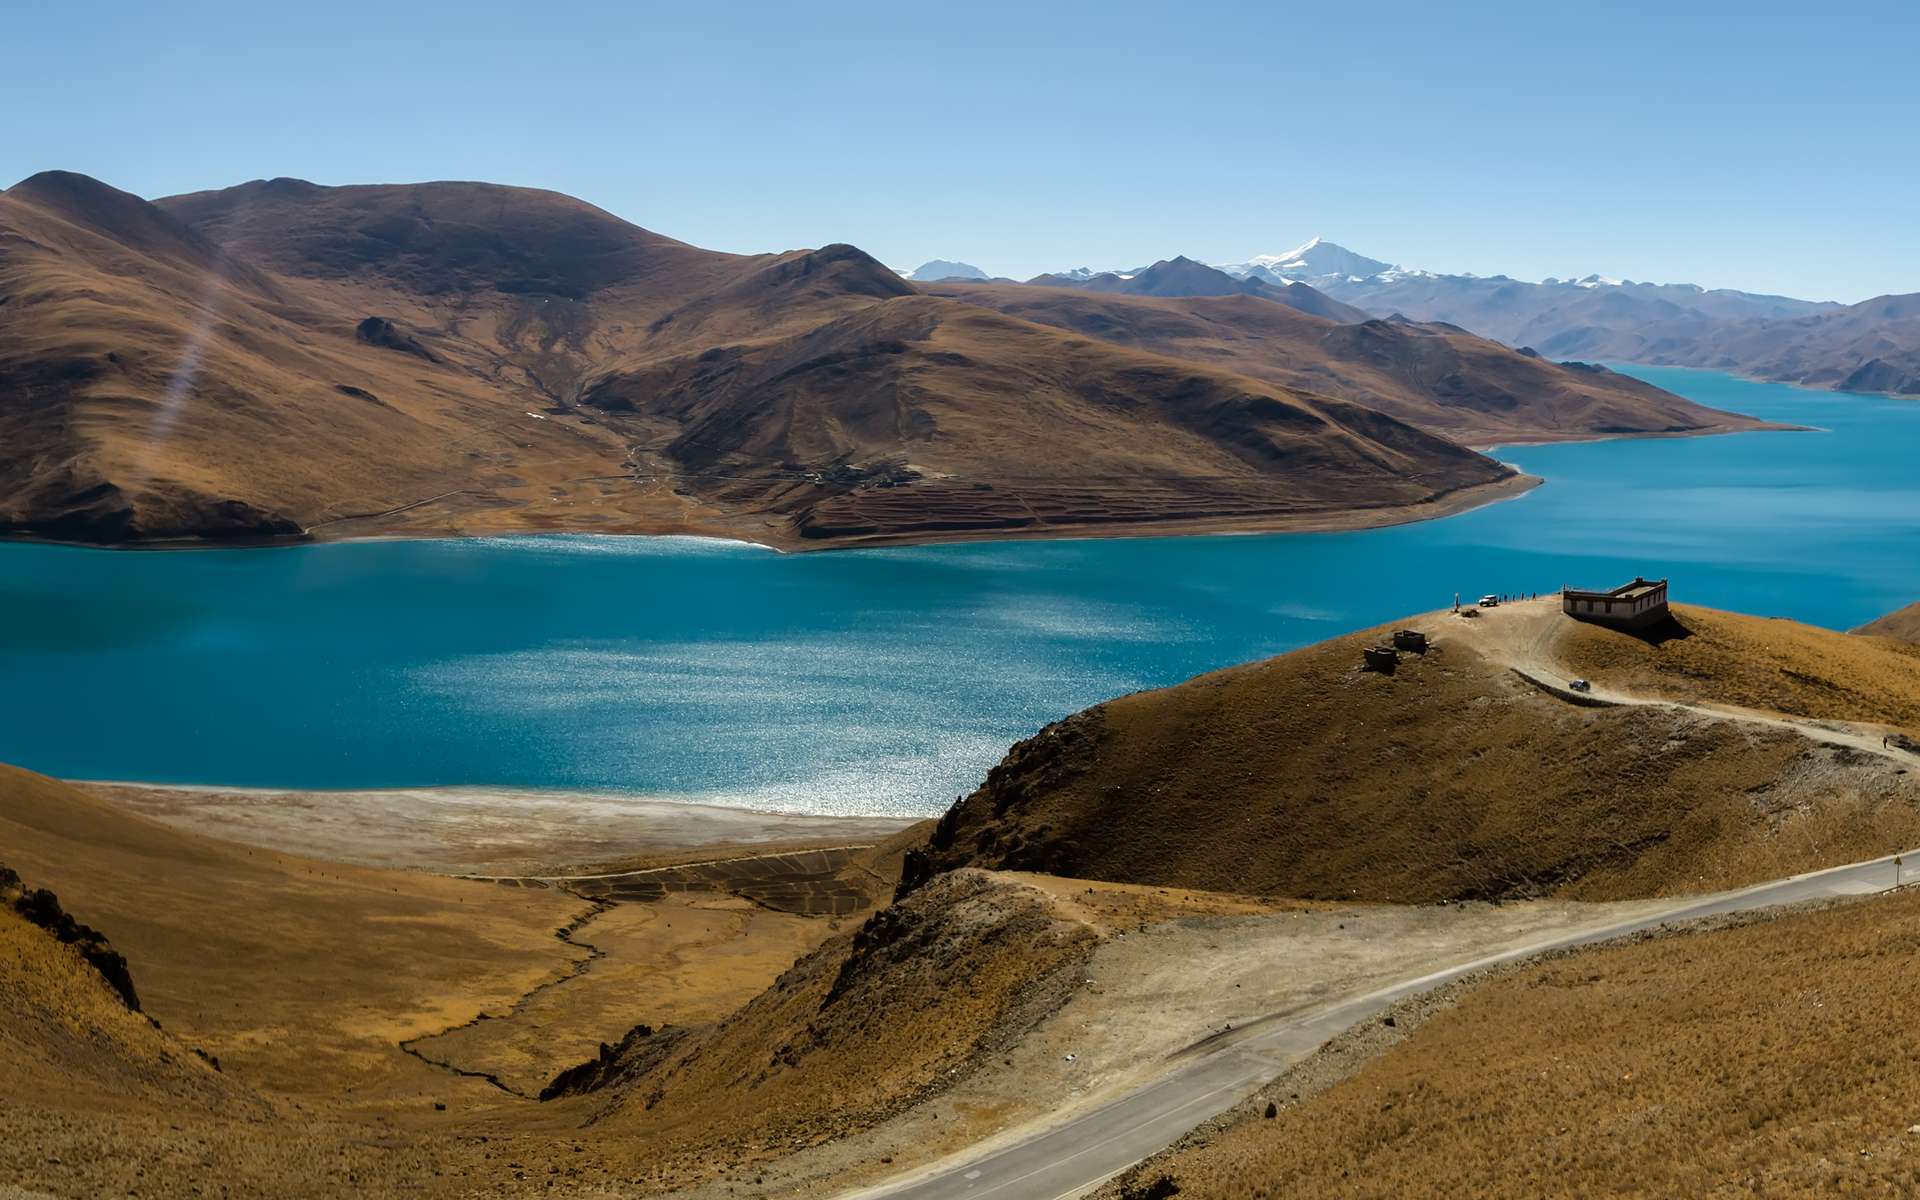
1437 507
1341 520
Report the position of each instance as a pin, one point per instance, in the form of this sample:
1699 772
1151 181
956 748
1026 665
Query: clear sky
1761 145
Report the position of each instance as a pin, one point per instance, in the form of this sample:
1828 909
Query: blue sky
1757 145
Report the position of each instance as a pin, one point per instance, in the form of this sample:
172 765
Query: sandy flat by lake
486 830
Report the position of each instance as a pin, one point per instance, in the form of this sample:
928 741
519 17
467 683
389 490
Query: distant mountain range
1873 346
1181 276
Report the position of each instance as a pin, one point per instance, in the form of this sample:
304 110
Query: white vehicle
1489 601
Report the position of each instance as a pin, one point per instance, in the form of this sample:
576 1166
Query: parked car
1489 601
1579 685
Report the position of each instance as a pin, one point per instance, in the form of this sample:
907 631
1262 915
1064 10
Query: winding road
1212 1076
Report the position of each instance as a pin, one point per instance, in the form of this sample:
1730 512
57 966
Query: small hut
1380 658
1630 606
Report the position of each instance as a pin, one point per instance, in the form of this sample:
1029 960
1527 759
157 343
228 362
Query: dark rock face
972 833
612 1061
42 908
379 331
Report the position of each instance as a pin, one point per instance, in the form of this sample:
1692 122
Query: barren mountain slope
1435 376
1903 625
1450 778
153 386
942 418
1873 346
281 358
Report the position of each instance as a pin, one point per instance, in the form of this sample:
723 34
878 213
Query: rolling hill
1304 776
1903 625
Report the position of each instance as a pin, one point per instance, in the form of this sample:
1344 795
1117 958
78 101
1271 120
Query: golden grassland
1756 663
67 1032
1304 776
1770 1059
299 973
303 979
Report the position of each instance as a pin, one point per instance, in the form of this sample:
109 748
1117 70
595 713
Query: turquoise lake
881 681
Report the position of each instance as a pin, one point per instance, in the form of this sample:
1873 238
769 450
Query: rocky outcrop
42 908
381 332
641 1048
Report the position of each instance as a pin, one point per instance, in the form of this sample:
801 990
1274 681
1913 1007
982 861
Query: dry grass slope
1772 1059
67 1031
1304 776
304 978
856 1031
1755 663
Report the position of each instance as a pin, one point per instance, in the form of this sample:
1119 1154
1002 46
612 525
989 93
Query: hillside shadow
1661 632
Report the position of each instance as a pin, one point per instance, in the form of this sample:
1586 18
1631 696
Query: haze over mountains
939 269
281 359
1873 346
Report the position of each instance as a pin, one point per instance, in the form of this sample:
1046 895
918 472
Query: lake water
882 681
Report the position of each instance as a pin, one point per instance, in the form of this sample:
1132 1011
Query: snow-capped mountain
1316 259
1593 316
940 268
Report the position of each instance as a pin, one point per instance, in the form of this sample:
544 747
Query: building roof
1626 591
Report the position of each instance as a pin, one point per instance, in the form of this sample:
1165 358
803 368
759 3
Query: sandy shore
1492 446
486 831
778 536
1342 520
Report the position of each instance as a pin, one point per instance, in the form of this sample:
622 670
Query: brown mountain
281 359
1902 625
1873 346
1432 375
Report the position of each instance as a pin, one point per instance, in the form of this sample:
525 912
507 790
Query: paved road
1215 1075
